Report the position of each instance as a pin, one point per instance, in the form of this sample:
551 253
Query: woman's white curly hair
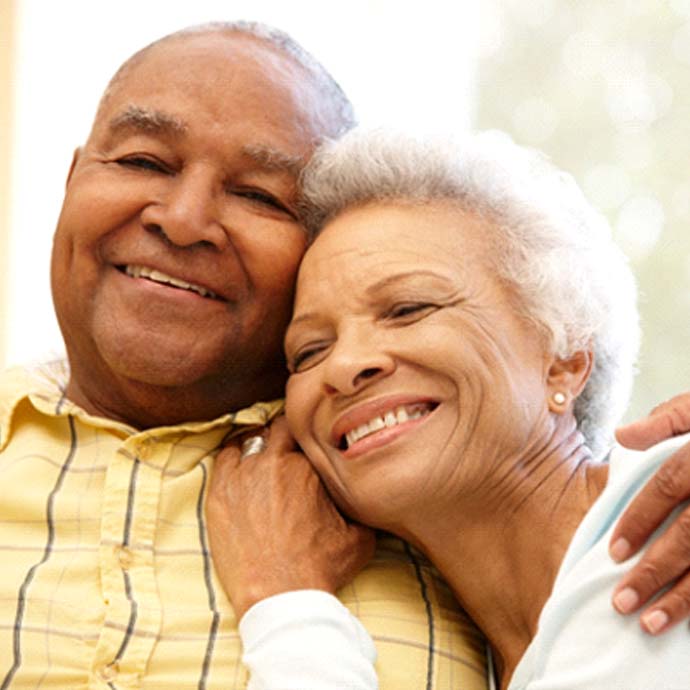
547 242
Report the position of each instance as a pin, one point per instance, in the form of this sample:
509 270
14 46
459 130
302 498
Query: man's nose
355 363
186 213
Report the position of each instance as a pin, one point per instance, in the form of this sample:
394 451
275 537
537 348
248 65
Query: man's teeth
400 415
159 277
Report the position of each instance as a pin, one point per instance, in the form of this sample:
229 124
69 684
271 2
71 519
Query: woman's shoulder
581 641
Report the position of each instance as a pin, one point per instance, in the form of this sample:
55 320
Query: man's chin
146 394
161 357
170 373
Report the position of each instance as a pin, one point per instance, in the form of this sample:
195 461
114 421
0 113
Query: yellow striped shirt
106 580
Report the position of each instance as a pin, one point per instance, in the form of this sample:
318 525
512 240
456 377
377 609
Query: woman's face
412 377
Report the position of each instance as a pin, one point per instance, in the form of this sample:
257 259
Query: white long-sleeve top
306 640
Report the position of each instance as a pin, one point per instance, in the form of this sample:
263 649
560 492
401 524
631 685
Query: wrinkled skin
287 535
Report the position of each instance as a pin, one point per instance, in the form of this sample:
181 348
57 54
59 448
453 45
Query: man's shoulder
45 380
417 625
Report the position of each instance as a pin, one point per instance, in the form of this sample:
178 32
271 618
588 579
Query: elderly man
172 273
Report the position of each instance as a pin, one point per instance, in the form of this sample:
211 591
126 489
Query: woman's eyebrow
406 276
302 318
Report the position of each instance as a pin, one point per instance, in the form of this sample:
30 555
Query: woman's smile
384 420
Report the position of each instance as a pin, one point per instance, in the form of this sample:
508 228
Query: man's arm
667 561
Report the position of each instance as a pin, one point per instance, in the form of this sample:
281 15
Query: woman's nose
186 213
354 365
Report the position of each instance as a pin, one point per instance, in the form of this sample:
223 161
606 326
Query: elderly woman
462 343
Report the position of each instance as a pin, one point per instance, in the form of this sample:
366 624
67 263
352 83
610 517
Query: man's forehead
234 80
227 50
206 60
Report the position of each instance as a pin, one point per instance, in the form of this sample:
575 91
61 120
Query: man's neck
143 406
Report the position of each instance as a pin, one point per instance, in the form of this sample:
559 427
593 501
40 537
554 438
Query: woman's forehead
435 232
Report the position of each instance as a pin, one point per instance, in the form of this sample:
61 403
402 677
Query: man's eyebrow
137 119
272 159
134 118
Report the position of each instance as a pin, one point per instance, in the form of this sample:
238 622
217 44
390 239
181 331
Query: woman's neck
501 555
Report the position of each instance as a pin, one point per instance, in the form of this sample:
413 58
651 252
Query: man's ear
566 379
75 157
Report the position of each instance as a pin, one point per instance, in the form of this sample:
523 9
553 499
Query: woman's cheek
296 412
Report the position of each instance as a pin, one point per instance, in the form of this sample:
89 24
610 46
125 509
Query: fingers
228 458
668 559
670 418
280 439
669 610
273 528
277 436
667 488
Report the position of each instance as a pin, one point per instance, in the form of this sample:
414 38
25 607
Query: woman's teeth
399 415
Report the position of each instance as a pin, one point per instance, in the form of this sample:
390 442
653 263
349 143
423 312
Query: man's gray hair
328 87
548 243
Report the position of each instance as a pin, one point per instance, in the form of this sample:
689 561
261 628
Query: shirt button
109 673
125 557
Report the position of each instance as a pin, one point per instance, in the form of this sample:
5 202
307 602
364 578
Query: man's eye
262 198
143 163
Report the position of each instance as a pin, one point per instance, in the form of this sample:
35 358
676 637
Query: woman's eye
400 311
304 359
143 163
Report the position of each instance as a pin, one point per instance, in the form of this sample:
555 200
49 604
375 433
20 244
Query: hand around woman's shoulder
667 561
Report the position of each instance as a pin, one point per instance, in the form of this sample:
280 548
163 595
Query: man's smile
156 276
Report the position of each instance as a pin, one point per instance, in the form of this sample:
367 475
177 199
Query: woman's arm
306 640
281 549
667 561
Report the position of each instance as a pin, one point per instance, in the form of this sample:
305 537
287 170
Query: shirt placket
132 619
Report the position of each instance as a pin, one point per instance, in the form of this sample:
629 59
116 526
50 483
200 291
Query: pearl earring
559 398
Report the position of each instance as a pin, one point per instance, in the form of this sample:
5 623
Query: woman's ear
566 378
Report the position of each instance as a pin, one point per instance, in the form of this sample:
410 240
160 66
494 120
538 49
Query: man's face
178 242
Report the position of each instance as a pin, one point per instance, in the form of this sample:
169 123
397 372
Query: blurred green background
603 88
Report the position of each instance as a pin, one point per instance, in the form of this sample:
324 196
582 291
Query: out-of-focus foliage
602 88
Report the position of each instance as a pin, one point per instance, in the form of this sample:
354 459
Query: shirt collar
44 387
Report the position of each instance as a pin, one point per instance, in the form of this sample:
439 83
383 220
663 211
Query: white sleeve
306 640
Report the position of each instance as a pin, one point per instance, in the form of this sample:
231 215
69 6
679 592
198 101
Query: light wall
6 91
399 62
